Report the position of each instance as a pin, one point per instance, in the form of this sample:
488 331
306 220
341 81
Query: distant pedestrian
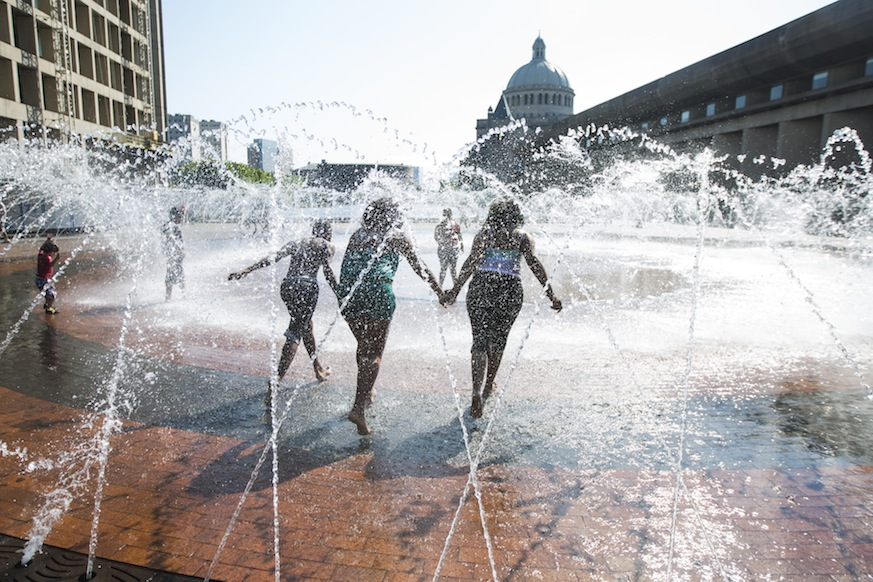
299 290
450 245
48 256
3 216
495 295
174 250
366 286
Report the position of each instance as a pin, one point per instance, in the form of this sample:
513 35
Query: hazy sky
404 81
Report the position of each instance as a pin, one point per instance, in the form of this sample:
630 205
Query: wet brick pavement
383 508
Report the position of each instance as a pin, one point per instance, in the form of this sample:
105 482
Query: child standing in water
46 259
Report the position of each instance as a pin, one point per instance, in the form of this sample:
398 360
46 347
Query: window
686 115
776 92
645 126
663 122
868 70
710 110
740 102
820 80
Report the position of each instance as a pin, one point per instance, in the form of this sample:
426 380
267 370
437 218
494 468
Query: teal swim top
355 262
373 297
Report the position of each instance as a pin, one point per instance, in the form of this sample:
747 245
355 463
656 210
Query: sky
404 81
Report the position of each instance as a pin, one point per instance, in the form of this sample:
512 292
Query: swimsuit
44 271
494 299
300 294
374 296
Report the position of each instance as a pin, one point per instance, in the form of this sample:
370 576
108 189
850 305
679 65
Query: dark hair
321 227
177 212
505 214
381 214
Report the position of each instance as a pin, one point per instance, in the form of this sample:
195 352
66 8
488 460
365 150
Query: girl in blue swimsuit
366 294
495 295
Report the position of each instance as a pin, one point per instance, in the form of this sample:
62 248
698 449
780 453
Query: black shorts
300 295
493 303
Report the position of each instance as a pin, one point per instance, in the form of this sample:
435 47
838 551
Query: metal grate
60 565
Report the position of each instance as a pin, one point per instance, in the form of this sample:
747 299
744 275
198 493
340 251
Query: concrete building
93 67
184 131
538 92
780 95
347 177
213 135
263 154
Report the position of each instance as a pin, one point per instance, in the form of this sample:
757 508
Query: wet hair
321 227
505 214
382 214
447 212
176 212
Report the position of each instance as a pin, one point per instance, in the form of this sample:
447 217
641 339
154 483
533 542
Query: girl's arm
536 267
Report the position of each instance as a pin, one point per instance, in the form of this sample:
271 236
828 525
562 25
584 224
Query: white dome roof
538 72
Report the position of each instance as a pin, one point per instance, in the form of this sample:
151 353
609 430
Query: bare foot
476 406
321 374
358 418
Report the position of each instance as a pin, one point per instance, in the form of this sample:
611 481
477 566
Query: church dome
538 72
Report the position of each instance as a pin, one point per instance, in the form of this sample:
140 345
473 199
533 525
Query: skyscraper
92 67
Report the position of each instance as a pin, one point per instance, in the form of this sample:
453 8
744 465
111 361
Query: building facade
781 95
263 154
183 131
538 92
348 177
85 67
213 136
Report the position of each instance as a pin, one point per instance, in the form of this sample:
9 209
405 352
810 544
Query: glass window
686 115
645 125
740 102
663 121
820 80
868 70
710 110
776 92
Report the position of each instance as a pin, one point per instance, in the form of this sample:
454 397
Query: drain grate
60 565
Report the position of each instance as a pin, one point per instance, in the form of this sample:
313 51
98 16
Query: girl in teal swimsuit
495 295
366 294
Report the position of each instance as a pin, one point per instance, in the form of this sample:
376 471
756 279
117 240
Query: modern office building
263 154
83 67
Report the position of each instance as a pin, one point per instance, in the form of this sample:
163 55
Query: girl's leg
321 373
494 360
478 363
371 335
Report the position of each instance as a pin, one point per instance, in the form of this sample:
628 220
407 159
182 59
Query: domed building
538 92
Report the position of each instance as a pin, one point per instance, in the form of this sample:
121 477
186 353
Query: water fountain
699 410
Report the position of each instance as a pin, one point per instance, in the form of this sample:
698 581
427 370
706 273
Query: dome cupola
539 90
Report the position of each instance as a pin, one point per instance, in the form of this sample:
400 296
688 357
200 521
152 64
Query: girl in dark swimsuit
495 295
